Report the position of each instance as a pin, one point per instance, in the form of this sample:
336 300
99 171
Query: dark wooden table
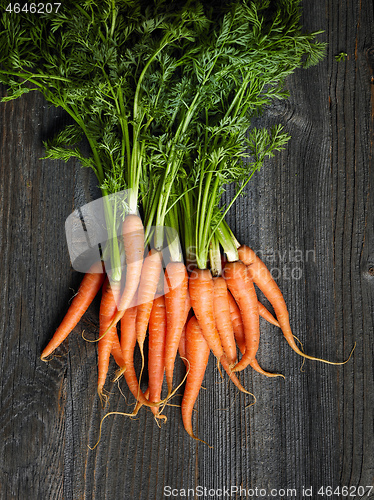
310 214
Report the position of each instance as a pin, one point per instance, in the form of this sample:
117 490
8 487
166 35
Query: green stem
166 188
232 201
227 241
103 39
110 215
172 166
114 16
230 234
172 236
215 257
150 209
187 221
125 126
30 77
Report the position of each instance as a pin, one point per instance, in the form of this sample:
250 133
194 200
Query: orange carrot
88 289
187 307
128 332
197 351
182 345
128 342
117 352
266 314
264 280
139 405
201 294
182 341
156 350
107 309
133 242
237 323
147 289
223 319
176 284
241 286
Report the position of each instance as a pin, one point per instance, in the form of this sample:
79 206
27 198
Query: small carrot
201 294
139 405
266 314
197 351
264 280
237 323
182 342
176 286
223 319
201 290
147 288
241 286
117 352
88 289
133 242
128 343
156 351
107 309
182 346
187 307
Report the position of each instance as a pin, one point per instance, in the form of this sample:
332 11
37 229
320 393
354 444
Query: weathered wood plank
352 203
33 208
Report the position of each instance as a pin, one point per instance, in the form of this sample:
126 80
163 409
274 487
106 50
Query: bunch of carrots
198 313
165 97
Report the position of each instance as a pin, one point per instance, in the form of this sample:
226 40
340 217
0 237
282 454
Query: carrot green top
165 93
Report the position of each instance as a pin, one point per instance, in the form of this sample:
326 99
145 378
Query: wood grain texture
309 212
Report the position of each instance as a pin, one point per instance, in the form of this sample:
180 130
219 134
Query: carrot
182 345
139 405
182 341
201 294
187 307
156 351
197 351
128 343
88 289
237 323
264 280
176 284
117 351
147 289
107 309
241 286
266 314
133 242
223 319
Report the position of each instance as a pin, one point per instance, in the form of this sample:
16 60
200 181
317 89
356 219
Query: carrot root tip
160 419
104 398
200 440
101 424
